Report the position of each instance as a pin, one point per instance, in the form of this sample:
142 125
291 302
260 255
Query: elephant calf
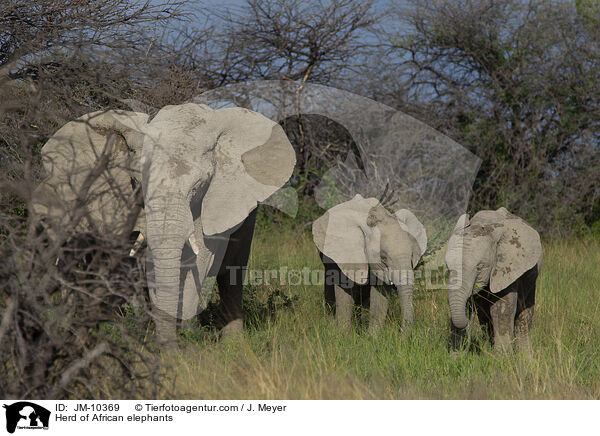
494 258
363 245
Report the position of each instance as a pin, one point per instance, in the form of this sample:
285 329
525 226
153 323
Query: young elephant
495 257
362 245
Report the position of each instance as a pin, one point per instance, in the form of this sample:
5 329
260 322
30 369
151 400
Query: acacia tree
289 40
316 42
517 84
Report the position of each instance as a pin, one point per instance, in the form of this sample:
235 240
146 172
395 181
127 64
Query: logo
26 415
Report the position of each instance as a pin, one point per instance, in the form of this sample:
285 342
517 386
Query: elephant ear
519 249
484 217
74 151
462 223
130 125
253 159
411 224
340 235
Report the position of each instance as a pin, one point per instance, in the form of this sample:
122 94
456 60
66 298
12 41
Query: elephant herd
201 174
493 260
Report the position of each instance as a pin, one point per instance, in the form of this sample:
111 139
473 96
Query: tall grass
294 351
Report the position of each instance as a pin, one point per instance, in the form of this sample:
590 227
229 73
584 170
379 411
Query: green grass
292 350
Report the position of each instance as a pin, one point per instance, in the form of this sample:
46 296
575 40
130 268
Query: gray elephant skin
202 173
365 249
495 258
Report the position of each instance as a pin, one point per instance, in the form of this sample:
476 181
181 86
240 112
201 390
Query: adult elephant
494 257
202 173
363 245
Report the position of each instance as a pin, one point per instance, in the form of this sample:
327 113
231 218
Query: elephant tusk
194 245
136 245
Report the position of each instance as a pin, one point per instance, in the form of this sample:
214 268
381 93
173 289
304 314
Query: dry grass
296 352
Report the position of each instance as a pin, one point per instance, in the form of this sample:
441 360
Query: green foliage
517 84
595 230
129 319
589 10
262 303
270 219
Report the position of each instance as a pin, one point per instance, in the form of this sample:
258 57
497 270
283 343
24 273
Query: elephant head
92 161
360 235
203 172
493 250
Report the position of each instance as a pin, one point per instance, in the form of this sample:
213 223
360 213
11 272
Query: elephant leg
525 311
166 328
198 285
503 313
329 298
483 304
344 303
328 286
188 291
522 327
230 292
232 274
378 311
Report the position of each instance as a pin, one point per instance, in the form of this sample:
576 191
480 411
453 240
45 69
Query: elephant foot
330 317
233 329
374 329
522 327
525 351
524 345
502 343
166 329
405 326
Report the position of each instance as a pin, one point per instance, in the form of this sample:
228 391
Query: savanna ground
292 350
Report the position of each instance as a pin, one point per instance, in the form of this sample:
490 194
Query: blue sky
223 4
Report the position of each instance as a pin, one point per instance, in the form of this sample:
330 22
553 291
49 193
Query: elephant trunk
169 223
406 304
457 298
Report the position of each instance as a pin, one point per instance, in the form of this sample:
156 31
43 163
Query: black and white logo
26 415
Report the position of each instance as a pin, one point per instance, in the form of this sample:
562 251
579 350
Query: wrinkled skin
229 277
505 316
493 260
202 173
385 253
